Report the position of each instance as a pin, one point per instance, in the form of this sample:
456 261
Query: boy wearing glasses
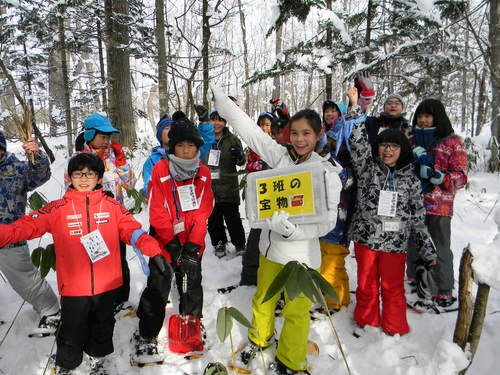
391 118
87 227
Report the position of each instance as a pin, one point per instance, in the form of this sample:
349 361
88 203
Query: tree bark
494 38
66 88
465 304
245 55
162 57
477 323
278 48
204 51
121 111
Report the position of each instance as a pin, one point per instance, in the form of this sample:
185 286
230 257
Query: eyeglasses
90 175
390 146
396 102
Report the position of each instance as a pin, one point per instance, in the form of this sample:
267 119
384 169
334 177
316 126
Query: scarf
425 138
183 169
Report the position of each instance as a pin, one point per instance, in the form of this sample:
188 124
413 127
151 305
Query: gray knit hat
394 96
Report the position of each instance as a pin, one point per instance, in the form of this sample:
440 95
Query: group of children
374 194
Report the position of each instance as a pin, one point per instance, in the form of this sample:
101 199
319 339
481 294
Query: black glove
190 262
280 109
236 155
426 286
164 266
174 247
202 113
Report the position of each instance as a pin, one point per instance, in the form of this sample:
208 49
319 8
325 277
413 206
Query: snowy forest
140 59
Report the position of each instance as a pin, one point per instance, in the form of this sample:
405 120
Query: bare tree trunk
329 42
6 93
102 66
66 90
465 304
121 111
368 34
276 79
482 104
162 56
494 38
204 51
245 56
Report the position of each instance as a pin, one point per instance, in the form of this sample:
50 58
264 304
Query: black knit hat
183 129
3 142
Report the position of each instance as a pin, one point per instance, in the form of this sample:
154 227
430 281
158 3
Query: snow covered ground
427 349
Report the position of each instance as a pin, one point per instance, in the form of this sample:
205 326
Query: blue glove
428 173
236 155
419 151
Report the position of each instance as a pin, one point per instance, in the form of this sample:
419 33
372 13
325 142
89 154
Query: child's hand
236 155
31 145
352 94
119 154
419 151
202 113
364 81
434 176
279 223
163 266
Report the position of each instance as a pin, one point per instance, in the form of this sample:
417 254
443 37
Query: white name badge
214 158
387 203
215 175
108 182
187 196
95 246
179 226
390 226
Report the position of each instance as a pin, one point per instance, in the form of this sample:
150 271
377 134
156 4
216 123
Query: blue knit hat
162 124
3 142
95 123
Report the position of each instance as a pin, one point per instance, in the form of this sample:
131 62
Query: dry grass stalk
24 128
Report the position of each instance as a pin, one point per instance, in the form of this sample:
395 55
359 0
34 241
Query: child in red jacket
180 201
87 227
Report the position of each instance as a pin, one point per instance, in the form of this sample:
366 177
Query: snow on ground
427 349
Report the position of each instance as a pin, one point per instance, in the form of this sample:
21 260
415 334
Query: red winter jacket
70 218
163 211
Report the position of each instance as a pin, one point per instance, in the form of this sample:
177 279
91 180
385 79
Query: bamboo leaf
325 286
36 201
278 284
50 253
239 317
36 256
224 324
310 289
293 287
44 266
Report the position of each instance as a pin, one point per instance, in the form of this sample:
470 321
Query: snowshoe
99 366
48 325
146 352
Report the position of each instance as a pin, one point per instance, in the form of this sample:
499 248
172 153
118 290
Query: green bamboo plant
296 278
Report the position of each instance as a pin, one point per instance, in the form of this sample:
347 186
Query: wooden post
464 299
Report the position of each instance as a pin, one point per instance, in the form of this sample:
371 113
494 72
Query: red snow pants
381 274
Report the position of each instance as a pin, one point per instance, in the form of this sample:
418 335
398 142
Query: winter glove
419 151
236 155
426 287
174 248
202 113
279 223
434 176
363 80
281 111
119 154
190 262
163 266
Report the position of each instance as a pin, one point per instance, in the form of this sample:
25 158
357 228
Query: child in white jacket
284 241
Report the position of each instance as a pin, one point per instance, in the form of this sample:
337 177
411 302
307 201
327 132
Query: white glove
214 92
279 223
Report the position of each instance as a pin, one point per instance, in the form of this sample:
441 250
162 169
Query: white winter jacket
303 244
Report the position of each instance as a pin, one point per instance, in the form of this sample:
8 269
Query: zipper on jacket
269 239
87 199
